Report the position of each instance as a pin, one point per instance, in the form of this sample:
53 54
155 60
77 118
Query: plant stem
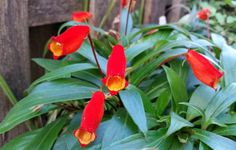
208 32
6 89
141 12
120 10
107 13
94 54
208 28
127 19
86 5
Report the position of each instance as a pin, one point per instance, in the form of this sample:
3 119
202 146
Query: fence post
156 8
14 55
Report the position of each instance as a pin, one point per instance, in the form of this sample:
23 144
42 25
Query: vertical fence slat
153 10
175 10
156 8
38 38
14 54
98 9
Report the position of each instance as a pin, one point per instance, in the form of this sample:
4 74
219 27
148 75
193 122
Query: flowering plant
155 86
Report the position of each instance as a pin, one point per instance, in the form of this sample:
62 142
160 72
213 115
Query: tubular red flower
115 77
91 118
69 41
123 3
81 16
204 14
203 69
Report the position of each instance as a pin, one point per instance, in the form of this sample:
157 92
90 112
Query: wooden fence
25 26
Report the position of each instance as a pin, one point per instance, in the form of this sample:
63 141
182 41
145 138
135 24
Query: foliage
222 20
164 106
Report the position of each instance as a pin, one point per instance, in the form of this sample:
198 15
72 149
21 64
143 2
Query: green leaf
100 133
178 89
152 121
220 102
75 122
50 64
7 90
46 137
123 21
145 44
152 27
228 61
230 19
139 141
157 87
203 146
136 49
226 131
200 98
177 123
146 69
180 67
62 72
42 138
134 105
162 102
164 142
218 40
158 36
45 93
176 145
123 126
67 142
214 141
124 40
227 118
86 51
88 76
146 100
21 141
198 110
185 44
220 18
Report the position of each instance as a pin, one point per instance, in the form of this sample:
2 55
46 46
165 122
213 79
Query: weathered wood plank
174 12
154 9
43 12
98 9
38 38
14 58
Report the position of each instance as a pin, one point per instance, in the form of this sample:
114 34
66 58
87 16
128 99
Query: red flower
91 119
123 3
81 16
115 77
68 42
204 14
203 69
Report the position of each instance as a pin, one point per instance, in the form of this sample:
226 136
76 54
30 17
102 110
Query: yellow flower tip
214 85
115 83
84 137
56 48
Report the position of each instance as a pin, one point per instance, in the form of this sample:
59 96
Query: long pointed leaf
214 141
134 105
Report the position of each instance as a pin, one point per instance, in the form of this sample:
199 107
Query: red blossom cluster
71 40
